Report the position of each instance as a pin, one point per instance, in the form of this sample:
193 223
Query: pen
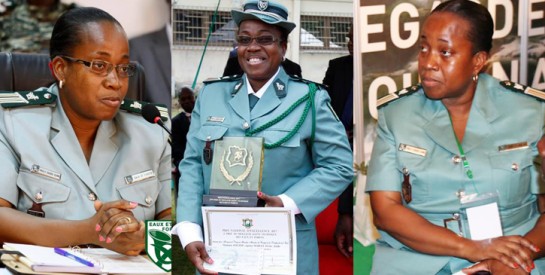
67 254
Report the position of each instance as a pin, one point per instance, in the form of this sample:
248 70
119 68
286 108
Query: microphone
152 115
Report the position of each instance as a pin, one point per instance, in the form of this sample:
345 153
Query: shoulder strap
383 101
135 106
223 79
515 87
26 98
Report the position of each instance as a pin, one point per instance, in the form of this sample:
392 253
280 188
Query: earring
475 77
61 83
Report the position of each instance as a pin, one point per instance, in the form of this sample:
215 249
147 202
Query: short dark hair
67 31
283 33
185 89
481 24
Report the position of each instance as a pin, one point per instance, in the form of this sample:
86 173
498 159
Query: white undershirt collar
261 91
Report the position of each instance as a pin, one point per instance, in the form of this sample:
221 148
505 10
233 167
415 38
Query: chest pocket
145 193
415 165
511 175
52 194
211 132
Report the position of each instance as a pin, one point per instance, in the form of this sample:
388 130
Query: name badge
412 149
513 146
36 169
215 119
481 214
139 177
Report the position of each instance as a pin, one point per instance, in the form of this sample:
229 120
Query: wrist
466 249
87 233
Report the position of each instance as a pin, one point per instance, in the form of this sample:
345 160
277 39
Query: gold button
92 196
515 167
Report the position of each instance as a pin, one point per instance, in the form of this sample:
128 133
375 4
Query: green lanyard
465 162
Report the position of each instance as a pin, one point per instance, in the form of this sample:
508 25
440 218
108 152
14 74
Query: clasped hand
117 229
514 252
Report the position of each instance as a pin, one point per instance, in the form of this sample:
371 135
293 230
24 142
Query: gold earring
61 83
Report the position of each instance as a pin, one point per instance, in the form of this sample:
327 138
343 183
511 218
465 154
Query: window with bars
191 28
324 32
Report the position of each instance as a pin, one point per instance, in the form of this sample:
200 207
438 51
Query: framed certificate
250 240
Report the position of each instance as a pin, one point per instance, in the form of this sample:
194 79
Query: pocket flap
144 193
513 161
211 132
51 190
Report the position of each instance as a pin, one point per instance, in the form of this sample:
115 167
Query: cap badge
262 5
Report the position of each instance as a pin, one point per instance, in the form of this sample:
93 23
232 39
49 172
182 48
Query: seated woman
463 141
66 149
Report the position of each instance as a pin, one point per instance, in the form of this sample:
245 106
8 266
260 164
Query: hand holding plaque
236 172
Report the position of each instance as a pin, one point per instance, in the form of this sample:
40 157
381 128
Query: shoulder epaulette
383 101
306 81
135 106
26 98
515 87
223 78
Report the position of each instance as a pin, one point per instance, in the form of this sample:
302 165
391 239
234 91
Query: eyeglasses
103 68
264 40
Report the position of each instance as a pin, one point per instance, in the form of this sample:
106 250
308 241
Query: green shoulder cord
309 105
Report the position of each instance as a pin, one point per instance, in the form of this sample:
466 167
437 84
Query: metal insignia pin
262 5
136 105
279 86
92 196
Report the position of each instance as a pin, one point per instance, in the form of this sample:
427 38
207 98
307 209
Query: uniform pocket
415 165
511 175
211 132
145 193
50 193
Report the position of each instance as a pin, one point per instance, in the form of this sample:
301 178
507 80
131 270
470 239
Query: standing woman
304 172
66 149
459 134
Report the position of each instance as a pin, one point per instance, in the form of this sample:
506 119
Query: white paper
44 259
251 240
484 221
235 259
113 262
